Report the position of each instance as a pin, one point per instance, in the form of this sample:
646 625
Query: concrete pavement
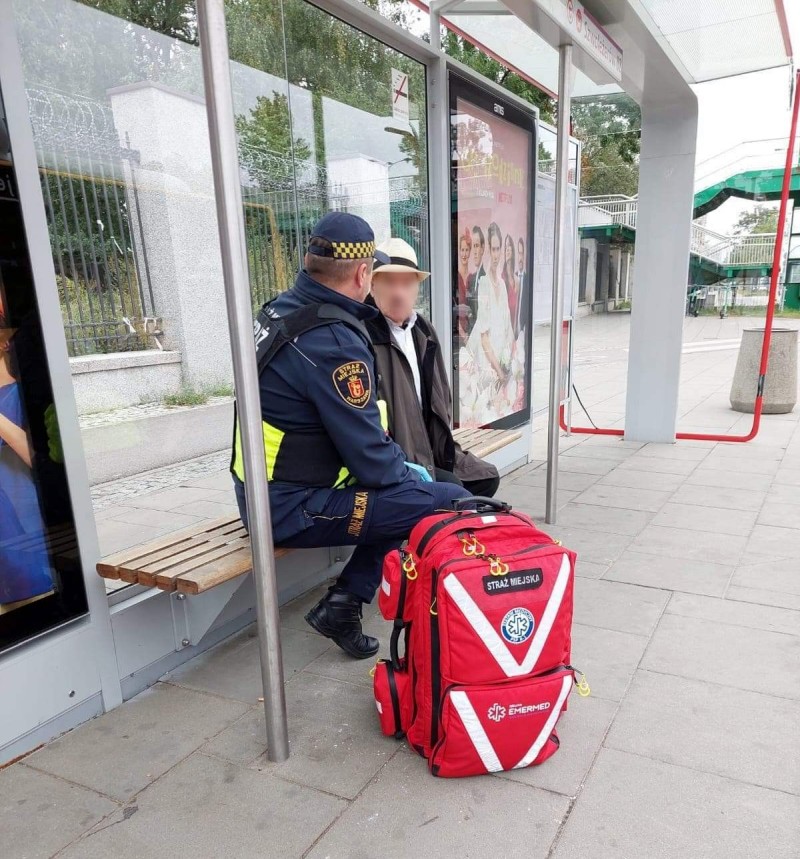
687 624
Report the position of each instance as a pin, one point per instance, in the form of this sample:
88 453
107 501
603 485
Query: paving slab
648 500
743 735
730 479
736 613
406 812
768 541
724 653
532 499
624 607
780 514
40 814
674 574
637 808
572 481
649 480
593 546
586 464
716 520
743 464
121 752
608 520
237 674
764 597
154 518
335 737
719 496
659 465
607 657
209 808
788 476
783 493
688 453
221 481
115 536
690 545
589 570
617 453
170 499
209 509
581 730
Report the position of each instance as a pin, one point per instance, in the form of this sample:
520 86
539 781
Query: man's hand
421 471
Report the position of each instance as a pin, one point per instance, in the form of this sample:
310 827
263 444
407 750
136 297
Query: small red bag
393 699
394 594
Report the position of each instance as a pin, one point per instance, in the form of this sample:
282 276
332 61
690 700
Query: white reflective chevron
474 728
492 639
483 745
533 751
386 587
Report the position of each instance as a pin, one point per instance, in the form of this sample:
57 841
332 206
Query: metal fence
100 254
106 297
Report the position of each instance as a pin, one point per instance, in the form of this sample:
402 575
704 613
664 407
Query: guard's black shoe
338 616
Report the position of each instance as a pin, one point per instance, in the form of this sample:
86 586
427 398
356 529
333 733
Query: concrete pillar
780 387
174 223
666 193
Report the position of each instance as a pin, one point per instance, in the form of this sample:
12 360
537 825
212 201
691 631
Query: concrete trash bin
780 389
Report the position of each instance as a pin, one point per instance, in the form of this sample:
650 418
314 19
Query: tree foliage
609 128
460 49
761 219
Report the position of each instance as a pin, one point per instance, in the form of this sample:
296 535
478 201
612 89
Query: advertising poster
41 582
492 158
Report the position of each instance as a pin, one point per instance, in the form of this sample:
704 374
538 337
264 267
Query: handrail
619 210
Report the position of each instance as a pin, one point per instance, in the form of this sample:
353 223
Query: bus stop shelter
652 50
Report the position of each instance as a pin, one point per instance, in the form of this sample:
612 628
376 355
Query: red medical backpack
483 601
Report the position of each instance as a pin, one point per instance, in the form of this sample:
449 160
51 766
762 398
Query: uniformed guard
335 477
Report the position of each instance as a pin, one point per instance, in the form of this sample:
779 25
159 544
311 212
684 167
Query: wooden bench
207 554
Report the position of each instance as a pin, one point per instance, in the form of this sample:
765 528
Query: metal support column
565 77
225 163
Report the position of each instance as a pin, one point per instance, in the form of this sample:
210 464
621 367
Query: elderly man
335 478
412 378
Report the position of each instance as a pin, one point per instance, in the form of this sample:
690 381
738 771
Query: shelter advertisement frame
41 584
492 190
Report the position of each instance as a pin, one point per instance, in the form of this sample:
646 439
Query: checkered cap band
353 250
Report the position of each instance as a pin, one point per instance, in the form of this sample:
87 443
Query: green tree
761 219
609 130
460 49
266 146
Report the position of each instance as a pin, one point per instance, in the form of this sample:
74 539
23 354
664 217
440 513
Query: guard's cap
343 236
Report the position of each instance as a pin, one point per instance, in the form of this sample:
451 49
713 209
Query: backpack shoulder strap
272 332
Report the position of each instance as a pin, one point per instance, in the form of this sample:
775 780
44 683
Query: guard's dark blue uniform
323 385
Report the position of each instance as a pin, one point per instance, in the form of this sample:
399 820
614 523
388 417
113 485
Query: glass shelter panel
327 117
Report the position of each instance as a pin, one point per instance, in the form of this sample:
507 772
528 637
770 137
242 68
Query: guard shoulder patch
353 382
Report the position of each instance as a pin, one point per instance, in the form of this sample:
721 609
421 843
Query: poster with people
41 580
492 157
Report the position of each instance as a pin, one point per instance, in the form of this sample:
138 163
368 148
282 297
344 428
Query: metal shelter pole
565 77
225 164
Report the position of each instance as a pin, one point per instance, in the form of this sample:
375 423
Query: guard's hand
421 472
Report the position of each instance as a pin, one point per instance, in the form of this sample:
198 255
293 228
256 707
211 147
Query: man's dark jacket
423 433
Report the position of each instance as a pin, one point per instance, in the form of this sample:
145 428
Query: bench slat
165 579
135 556
216 573
189 549
133 553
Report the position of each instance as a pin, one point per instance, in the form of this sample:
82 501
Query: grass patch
221 391
186 397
